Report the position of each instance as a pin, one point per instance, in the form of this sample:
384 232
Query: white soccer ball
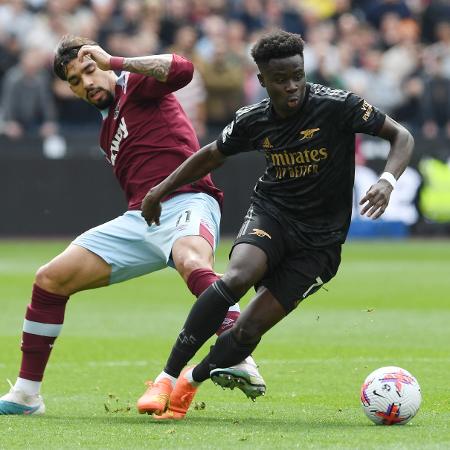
390 396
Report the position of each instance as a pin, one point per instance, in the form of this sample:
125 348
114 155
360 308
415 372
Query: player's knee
47 277
237 281
246 332
191 253
187 265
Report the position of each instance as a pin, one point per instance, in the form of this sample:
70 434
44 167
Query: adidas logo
266 143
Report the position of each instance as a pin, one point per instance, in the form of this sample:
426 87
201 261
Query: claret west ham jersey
146 135
310 159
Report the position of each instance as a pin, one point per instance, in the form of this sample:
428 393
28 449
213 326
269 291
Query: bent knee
49 278
186 266
247 333
238 281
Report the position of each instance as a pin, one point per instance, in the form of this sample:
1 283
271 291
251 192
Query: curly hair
277 44
66 51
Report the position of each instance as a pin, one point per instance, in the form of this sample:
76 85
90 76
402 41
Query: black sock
226 352
204 319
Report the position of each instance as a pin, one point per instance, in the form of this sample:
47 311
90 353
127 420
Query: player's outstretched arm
157 66
195 167
377 197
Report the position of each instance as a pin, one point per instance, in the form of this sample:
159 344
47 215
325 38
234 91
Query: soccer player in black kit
290 242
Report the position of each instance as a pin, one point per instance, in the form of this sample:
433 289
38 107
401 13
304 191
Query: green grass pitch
388 305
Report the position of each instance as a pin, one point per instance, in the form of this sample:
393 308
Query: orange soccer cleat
180 399
156 398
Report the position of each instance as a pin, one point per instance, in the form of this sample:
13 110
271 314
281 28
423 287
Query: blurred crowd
395 53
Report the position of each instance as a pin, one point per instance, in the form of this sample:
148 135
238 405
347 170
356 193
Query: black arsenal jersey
310 161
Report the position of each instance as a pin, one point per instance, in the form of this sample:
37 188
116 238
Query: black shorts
294 272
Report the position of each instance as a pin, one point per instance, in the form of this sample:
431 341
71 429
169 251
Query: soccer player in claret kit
145 135
290 242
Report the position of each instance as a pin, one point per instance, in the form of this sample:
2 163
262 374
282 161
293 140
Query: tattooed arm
157 66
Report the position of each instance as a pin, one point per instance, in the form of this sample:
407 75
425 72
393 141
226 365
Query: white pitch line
116 363
295 361
324 360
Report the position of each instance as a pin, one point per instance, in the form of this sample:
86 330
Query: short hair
277 44
67 50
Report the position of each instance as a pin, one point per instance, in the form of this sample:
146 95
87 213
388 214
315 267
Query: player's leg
115 251
187 256
193 257
232 346
75 269
259 246
195 239
204 318
262 313
196 233
301 274
246 267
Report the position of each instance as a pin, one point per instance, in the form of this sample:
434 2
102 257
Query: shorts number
184 217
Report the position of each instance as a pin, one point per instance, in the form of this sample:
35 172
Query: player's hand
376 199
97 54
151 208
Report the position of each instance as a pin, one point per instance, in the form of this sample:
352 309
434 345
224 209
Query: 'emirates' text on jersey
146 135
310 159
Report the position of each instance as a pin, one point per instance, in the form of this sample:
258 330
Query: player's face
90 83
285 82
